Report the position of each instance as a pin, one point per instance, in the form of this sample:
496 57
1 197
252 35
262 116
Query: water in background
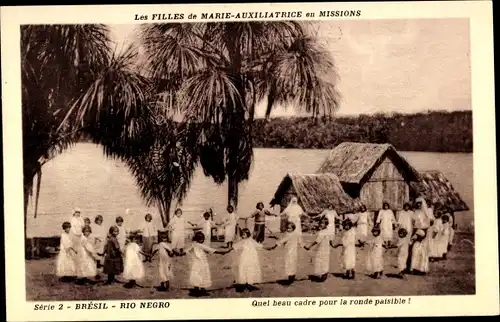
82 177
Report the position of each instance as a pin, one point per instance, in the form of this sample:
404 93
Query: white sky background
403 66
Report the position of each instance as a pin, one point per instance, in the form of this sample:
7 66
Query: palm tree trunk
232 191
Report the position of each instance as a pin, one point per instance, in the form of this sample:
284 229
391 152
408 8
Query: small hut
372 173
435 187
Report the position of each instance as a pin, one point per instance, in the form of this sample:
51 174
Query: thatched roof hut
374 173
315 192
435 187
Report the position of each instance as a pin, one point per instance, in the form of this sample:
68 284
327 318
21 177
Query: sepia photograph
248 159
258 160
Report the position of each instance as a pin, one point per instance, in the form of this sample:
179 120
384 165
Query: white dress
206 228
178 232
65 264
375 259
122 236
248 262
99 237
405 220
322 258
445 238
403 251
386 219
435 232
291 241
76 233
133 267
363 227
349 248
230 227
199 275
86 262
419 256
165 272
330 215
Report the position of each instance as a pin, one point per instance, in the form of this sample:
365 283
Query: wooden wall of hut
386 183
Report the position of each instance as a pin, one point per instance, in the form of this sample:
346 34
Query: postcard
249 161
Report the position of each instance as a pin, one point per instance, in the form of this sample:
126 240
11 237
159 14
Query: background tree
214 74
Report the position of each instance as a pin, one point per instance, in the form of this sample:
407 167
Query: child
165 251
405 218
206 226
331 215
349 248
230 224
86 258
322 259
99 240
113 262
65 264
259 216
403 251
419 258
86 221
290 241
148 232
386 221
375 259
445 239
133 268
199 276
177 228
122 232
76 229
248 262
362 225
435 232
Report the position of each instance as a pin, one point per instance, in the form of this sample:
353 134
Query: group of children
86 248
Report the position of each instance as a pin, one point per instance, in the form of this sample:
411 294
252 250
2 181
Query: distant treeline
434 131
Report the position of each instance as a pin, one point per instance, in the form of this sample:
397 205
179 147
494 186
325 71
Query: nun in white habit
293 212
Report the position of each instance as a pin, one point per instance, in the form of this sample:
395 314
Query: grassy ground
453 276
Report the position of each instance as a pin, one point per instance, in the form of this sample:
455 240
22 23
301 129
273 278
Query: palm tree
74 87
216 73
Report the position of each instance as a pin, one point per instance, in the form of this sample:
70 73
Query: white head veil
293 208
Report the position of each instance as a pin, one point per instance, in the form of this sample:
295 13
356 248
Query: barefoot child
249 272
386 222
65 264
99 237
322 258
113 261
177 228
133 268
230 226
362 225
87 257
148 232
291 241
199 276
349 248
165 252
403 251
122 232
375 259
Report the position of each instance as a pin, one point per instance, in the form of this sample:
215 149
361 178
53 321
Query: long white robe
420 257
386 219
165 270
86 265
199 275
363 225
291 242
76 233
177 227
122 236
133 267
230 227
293 212
65 263
405 220
330 214
403 252
349 248
99 238
375 258
435 232
322 258
206 229
249 271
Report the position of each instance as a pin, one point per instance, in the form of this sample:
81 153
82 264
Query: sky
387 66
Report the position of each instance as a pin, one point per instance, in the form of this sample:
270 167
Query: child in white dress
362 225
419 256
65 264
122 232
86 263
249 272
322 258
445 239
199 276
348 248
177 228
165 270
375 259
386 222
230 223
133 269
99 237
291 241
206 225
435 232
403 251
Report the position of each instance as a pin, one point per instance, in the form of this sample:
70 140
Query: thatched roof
352 162
315 192
435 187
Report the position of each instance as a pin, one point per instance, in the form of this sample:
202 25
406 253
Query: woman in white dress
291 243
199 275
435 232
248 267
386 222
230 223
86 263
65 263
322 257
293 212
363 225
419 256
375 259
133 269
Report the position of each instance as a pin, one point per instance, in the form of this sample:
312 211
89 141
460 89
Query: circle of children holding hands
422 235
